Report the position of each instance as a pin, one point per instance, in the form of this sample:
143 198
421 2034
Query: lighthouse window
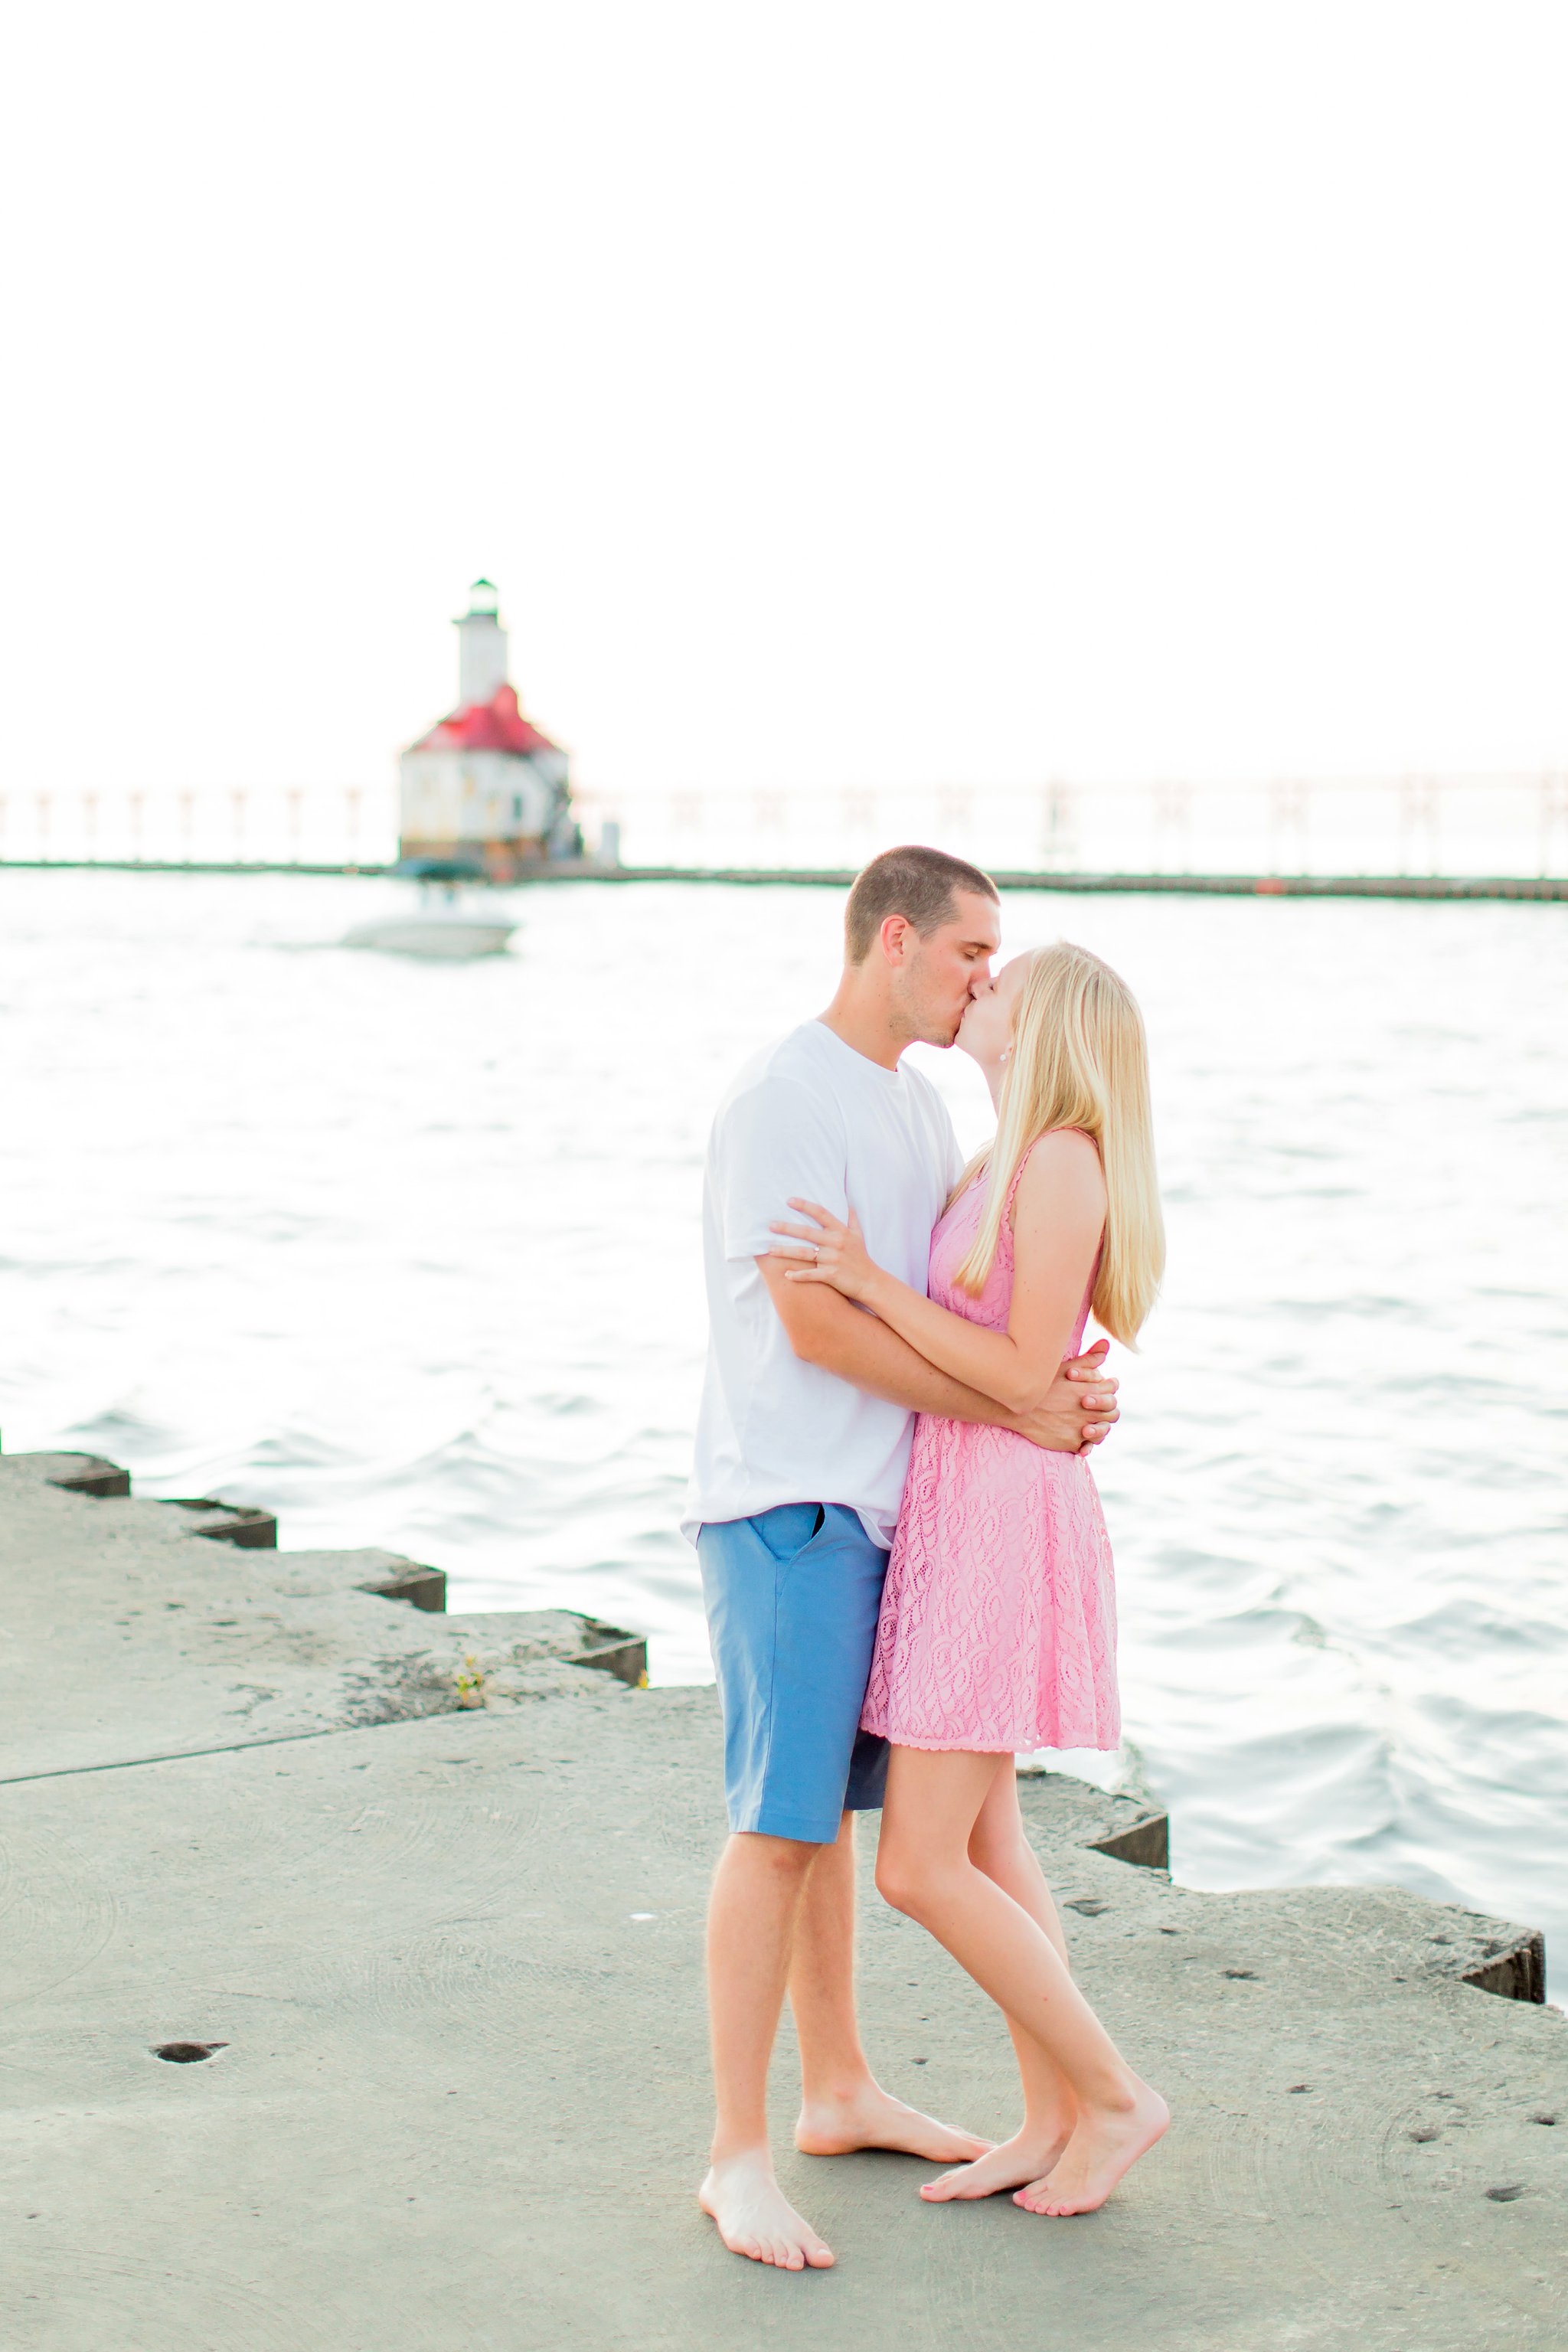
517 808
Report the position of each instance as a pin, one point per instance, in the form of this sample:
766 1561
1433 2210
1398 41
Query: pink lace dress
998 1623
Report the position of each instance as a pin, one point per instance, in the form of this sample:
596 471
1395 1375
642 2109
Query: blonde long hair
1079 1058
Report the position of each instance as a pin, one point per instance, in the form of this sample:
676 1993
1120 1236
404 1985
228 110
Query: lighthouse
485 787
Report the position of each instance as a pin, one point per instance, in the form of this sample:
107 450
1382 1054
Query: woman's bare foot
1017 2161
1106 2143
870 2117
756 2219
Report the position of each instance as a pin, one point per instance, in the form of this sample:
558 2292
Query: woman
997 1629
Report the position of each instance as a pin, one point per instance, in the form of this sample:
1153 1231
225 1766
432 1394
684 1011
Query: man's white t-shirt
812 1118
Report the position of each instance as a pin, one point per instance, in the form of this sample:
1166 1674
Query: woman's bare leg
998 1847
923 1868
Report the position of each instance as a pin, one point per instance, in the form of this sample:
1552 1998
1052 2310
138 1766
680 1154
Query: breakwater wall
351 1996
1223 885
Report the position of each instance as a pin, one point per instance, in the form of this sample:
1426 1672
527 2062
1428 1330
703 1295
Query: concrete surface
453 1962
126 1634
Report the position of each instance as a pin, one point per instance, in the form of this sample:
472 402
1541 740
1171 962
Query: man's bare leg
756 1898
843 2106
998 1847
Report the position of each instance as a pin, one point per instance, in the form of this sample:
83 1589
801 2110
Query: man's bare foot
870 2117
1106 2144
1017 2161
756 2219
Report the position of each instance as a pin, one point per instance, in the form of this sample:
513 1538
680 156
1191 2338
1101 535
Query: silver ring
815 1253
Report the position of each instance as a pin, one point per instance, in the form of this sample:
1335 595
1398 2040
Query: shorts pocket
785 1530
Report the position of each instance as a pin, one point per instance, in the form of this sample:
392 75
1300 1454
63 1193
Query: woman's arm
825 1330
1058 1216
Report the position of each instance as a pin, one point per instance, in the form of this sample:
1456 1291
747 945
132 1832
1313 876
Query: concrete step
164 1644
561 1633
76 1474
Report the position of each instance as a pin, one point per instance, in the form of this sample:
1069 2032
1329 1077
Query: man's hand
830 1331
1079 1409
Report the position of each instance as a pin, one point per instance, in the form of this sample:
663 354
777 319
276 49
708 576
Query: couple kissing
904 1563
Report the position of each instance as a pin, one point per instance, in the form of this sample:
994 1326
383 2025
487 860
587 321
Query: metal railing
1409 825
293 825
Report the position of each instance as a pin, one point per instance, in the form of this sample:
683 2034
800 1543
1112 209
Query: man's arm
1058 1224
831 1333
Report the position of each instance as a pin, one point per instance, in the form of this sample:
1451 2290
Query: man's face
934 978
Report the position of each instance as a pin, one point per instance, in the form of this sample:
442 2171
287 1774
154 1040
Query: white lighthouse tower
481 648
485 787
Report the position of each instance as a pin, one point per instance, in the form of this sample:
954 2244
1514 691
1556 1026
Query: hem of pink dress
1025 1747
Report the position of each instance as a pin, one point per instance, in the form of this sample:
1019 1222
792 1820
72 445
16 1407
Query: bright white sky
858 393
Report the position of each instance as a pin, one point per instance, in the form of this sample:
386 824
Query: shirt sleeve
776 1139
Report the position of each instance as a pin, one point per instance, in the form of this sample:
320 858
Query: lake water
409 1252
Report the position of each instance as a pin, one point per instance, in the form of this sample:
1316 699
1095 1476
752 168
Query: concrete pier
411 1905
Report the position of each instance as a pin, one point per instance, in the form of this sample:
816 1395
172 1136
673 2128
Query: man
802 1441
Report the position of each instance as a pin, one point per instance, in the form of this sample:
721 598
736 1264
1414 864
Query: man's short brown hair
916 883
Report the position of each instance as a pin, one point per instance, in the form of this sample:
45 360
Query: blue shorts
793 1596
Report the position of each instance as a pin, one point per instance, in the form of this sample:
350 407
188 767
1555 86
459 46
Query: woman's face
986 1028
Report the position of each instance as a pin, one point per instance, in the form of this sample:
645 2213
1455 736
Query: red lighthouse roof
497 724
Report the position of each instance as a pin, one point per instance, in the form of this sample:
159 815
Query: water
410 1254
